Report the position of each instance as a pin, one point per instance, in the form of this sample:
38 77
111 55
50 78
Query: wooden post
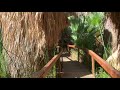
58 66
93 66
61 64
68 48
78 54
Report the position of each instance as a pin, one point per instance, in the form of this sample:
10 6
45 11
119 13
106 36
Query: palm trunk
26 35
113 25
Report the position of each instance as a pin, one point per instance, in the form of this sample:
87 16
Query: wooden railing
94 57
44 71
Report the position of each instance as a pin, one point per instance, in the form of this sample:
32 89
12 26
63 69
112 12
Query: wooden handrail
44 71
109 69
71 46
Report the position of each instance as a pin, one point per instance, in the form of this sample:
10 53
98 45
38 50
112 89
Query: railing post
93 66
68 48
58 65
78 54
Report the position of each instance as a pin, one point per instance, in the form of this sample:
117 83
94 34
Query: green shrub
102 74
85 29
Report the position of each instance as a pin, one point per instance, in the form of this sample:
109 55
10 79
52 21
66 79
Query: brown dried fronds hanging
26 35
113 21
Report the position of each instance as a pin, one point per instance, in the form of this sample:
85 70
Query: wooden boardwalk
74 69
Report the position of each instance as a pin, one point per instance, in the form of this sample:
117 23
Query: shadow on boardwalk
74 69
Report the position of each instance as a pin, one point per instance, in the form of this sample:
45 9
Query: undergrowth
102 73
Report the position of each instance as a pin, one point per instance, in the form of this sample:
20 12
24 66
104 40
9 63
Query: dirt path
74 69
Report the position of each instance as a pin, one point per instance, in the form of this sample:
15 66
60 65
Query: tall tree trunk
25 36
112 24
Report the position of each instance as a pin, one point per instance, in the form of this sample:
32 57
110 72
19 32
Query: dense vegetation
87 32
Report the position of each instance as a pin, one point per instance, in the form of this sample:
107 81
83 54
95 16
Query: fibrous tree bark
112 24
26 36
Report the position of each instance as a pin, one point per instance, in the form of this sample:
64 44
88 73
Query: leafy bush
85 29
102 74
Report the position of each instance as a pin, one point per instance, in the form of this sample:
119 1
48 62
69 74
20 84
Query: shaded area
74 69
